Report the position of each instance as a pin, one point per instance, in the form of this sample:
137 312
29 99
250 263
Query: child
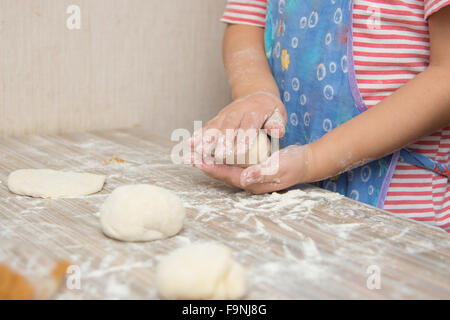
362 90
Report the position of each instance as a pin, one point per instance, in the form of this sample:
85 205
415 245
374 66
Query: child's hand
255 111
285 168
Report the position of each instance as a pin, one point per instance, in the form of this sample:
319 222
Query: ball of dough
141 212
201 271
258 151
46 183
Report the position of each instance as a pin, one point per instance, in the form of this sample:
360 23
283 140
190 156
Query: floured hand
255 111
283 169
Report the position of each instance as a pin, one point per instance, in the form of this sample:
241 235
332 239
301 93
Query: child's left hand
284 168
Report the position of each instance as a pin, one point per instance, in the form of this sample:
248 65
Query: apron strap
425 162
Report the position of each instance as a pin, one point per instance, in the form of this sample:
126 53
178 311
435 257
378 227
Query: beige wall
156 63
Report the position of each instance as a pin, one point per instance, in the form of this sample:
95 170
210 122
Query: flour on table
46 183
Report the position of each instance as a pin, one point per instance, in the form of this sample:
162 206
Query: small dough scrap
201 271
141 212
45 183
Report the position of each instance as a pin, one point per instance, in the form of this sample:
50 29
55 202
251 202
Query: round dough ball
141 212
46 183
258 152
201 271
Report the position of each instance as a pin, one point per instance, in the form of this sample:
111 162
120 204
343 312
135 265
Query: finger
194 140
219 152
251 175
265 187
193 158
253 120
209 142
251 123
228 174
204 140
275 124
225 146
265 172
197 136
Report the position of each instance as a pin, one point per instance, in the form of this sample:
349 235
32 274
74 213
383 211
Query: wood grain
307 244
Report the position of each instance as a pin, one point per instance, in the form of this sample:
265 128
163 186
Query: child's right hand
259 110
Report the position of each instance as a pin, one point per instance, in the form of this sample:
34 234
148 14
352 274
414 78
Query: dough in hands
258 151
141 212
46 183
201 271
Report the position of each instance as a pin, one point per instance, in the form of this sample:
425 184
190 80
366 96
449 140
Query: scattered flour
116 290
310 250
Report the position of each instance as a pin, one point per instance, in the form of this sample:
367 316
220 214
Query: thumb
275 124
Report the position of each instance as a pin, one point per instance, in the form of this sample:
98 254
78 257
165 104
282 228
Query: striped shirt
390 46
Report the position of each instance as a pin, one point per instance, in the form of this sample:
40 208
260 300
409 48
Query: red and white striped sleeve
431 6
250 12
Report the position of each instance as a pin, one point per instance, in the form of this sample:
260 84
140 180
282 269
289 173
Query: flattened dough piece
201 271
46 183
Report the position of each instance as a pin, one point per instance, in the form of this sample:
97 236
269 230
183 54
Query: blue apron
309 47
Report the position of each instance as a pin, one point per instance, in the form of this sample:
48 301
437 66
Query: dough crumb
113 159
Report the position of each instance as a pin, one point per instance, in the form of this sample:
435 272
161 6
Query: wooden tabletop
304 244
